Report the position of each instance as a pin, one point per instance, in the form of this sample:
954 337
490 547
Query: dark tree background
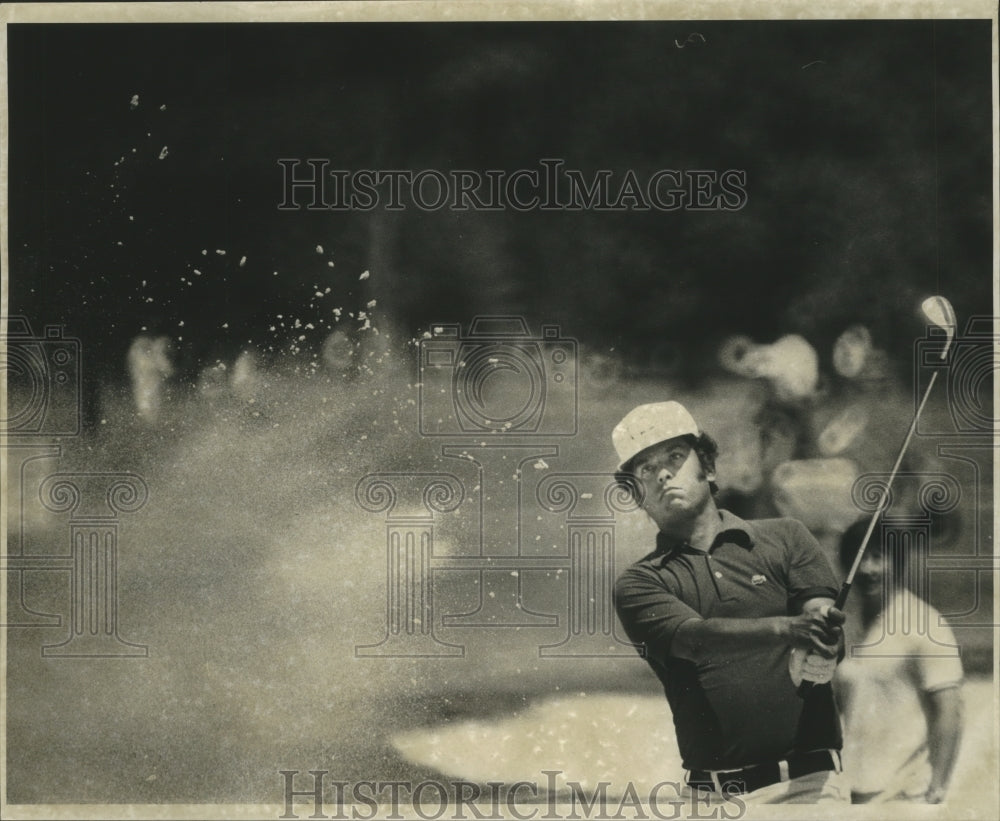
866 146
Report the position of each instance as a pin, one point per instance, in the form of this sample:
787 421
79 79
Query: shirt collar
733 529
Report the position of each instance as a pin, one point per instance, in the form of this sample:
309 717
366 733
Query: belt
748 779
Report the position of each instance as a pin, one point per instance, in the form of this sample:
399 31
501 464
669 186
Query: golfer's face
673 481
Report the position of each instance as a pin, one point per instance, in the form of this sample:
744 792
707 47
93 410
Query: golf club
939 312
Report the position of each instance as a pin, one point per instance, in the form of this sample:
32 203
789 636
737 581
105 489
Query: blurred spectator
149 368
899 686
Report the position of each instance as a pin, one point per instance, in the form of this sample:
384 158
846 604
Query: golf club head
939 312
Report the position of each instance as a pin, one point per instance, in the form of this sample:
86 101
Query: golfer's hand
818 632
804 665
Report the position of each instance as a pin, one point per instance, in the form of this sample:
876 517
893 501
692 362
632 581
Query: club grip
841 600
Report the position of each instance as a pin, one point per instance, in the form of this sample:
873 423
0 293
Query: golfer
732 616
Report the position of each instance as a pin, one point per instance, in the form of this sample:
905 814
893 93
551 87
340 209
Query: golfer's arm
944 734
695 636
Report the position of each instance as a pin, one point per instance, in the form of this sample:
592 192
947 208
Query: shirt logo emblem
757 578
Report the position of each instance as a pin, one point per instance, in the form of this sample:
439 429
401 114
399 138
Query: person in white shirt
900 684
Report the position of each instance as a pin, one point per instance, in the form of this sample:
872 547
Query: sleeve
809 573
938 672
649 612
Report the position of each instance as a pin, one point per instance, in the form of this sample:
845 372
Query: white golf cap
648 425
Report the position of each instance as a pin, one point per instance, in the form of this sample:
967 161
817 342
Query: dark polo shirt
735 707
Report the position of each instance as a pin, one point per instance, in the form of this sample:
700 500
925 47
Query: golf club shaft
845 588
849 580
